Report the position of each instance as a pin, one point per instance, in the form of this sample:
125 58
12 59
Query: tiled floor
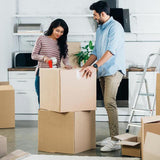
25 137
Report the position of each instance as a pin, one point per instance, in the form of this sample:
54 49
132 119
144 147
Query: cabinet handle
21 73
139 74
21 81
21 92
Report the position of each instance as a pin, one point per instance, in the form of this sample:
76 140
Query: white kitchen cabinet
134 83
26 103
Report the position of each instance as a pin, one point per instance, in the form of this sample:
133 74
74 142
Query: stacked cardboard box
7 106
67 111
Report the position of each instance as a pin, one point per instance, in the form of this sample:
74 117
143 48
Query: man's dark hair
100 7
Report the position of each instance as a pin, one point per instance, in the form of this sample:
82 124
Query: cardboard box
130 144
151 147
149 124
7 105
64 90
158 94
3 146
17 154
71 132
73 48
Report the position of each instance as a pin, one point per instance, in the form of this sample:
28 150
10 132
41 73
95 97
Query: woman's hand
46 59
67 67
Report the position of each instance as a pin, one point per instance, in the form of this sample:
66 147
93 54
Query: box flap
125 136
151 145
128 143
150 119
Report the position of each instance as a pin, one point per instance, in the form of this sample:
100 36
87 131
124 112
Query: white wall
6 11
145 26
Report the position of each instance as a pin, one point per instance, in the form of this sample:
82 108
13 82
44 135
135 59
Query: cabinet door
134 83
26 102
23 84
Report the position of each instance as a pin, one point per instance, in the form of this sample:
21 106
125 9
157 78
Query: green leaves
91 45
84 54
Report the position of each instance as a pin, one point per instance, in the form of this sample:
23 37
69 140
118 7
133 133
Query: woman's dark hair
100 7
62 41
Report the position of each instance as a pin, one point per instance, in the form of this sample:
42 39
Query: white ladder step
142 110
146 94
134 124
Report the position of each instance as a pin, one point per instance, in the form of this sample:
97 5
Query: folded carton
7 106
71 132
130 144
149 124
151 147
158 94
3 146
64 90
16 155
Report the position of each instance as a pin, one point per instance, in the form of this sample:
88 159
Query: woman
52 44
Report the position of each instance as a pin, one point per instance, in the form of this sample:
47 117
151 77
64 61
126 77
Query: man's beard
100 22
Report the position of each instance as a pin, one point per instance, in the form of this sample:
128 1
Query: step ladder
149 110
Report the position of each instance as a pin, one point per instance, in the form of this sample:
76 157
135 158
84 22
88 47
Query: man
109 53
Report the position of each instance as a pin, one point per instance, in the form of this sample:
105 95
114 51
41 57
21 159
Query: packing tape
79 74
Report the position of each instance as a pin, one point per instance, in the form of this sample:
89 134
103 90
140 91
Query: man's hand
88 71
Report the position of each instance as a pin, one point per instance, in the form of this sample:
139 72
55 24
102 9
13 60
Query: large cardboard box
3 146
7 105
151 147
16 155
130 144
158 94
73 48
149 124
71 132
64 90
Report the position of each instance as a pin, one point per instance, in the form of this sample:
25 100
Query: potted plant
84 54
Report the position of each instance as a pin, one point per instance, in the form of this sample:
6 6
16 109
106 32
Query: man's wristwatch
95 66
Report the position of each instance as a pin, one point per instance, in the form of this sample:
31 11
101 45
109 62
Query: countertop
21 69
127 70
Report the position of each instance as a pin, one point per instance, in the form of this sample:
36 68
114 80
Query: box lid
150 119
125 136
128 143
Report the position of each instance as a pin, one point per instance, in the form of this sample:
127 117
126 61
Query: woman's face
57 32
